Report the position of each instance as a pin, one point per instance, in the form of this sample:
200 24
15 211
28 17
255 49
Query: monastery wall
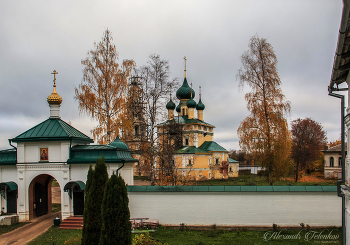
237 208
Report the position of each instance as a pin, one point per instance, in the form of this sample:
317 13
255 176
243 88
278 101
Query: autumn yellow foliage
264 133
102 92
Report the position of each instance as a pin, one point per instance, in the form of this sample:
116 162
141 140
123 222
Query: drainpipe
12 145
123 161
342 181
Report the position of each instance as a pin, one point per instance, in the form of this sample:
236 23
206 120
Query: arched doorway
40 196
75 191
8 191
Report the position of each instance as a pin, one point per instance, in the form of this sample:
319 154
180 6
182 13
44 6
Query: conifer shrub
92 206
87 206
116 226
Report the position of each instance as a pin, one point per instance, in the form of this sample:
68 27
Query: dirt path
28 232
56 194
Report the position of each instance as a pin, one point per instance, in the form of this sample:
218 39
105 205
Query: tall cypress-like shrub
96 192
125 213
87 205
116 226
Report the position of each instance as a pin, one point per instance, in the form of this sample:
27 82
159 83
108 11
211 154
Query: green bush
95 186
145 239
116 226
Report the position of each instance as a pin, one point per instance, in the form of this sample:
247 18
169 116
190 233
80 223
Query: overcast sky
37 37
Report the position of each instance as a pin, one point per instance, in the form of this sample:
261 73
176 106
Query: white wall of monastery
238 208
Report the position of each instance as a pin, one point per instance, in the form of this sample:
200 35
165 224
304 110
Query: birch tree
264 133
102 92
156 87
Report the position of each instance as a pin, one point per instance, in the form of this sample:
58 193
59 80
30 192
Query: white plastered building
54 150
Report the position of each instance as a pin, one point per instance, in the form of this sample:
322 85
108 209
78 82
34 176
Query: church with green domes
197 155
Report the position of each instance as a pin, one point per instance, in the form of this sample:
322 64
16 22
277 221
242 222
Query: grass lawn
55 183
56 207
312 180
7 228
186 236
57 236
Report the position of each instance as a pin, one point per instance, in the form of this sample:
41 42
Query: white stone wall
30 152
7 174
238 208
23 174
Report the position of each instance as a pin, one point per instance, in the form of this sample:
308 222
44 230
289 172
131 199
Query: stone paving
28 232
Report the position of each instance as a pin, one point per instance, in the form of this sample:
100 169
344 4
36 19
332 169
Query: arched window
217 161
339 163
186 141
331 162
136 130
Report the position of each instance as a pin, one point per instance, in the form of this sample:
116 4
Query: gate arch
40 195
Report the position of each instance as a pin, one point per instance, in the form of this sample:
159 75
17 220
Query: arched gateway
54 150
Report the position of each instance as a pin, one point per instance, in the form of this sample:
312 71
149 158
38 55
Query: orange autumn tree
264 133
334 143
102 92
309 139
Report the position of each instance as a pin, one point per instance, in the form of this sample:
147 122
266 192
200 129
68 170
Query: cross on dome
54 98
185 65
54 77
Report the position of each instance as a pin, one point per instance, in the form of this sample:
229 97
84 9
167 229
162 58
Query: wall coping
232 188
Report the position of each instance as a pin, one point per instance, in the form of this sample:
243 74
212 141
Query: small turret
191 104
170 106
200 106
178 108
54 99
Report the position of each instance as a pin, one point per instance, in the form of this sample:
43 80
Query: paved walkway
28 232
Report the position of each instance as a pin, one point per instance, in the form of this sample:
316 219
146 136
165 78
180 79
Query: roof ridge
51 129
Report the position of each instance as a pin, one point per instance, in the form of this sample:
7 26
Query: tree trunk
297 172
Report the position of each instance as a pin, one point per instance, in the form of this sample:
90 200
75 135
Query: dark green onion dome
178 108
170 105
184 92
200 105
191 103
119 144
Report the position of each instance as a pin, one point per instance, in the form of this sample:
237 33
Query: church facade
196 155
54 150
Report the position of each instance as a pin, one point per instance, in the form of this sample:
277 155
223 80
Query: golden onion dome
54 98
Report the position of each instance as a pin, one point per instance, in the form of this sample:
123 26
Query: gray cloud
40 36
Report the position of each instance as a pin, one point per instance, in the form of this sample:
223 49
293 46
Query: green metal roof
50 130
200 105
12 186
211 146
76 185
184 120
119 144
170 105
184 92
8 157
190 150
191 103
90 154
230 160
